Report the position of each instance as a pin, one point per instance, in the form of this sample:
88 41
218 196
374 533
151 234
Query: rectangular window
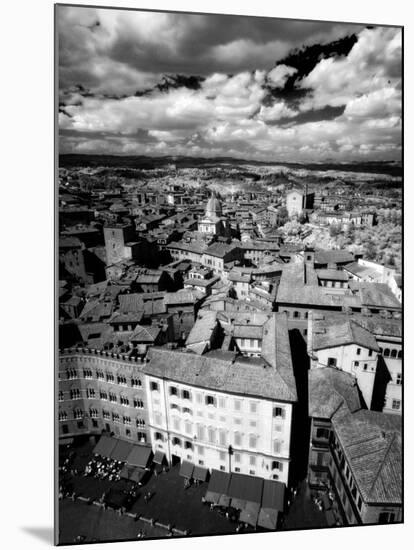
322 433
237 439
278 411
370 353
222 437
252 441
138 404
75 394
199 398
100 375
396 404
237 404
331 362
252 460
200 451
211 435
186 394
173 390
210 400
399 379
277 446
237 457
136 383
154 386
200 432
358 351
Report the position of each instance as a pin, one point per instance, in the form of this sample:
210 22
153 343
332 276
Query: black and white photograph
229 275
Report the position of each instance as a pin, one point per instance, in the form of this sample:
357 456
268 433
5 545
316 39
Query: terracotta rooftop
341 333
329 388
269 377
372 445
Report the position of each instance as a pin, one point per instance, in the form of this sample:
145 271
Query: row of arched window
392 353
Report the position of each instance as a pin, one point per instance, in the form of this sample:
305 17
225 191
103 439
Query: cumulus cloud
115 98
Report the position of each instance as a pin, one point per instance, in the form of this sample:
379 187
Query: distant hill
148 163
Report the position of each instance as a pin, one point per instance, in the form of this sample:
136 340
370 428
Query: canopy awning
250 513
105 446
268 518
126 472
159 457
273 497
238 503
244 487
224 501
219 482
200 473
121 450
212 497
139 456
186 469
138 474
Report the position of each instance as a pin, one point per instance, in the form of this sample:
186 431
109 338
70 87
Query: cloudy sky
204 85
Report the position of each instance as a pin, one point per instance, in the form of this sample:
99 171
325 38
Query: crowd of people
103 468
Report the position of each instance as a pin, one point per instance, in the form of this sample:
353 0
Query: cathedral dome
213 208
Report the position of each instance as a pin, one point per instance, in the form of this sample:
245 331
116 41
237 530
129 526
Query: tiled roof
145 334
341 333
182 297
269 379
375 294
220 250
380 327
203 327
128 317
373 448
131 303
328 389
333 256
332 274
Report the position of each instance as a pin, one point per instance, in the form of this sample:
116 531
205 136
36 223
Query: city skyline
150 83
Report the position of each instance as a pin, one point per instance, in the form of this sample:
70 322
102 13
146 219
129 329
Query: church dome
213 208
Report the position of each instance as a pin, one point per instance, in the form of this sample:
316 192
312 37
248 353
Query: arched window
394 353
386 352
400 354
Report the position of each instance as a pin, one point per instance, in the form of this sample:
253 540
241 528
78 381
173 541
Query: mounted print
229 272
